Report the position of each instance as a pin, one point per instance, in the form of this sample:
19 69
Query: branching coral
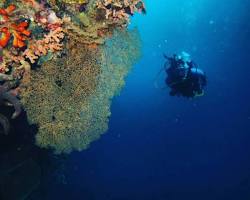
99 19
117 10
51 42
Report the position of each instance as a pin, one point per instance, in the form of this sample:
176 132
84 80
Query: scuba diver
183 76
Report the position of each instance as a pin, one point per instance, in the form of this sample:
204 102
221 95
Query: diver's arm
165 56
194 64
191 65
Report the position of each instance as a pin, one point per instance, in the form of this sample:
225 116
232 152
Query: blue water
169 148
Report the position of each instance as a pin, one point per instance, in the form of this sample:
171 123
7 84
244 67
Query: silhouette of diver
183 76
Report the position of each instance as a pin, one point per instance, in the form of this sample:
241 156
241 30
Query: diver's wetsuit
184 79
175 72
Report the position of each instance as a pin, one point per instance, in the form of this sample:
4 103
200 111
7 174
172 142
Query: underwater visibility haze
124 100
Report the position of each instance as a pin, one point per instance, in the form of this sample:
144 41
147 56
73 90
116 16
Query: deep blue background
168 148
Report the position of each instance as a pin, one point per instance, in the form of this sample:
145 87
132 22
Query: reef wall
65 61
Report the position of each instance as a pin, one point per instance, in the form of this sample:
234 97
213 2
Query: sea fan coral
70 98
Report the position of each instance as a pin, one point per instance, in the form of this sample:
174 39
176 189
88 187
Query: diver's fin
157 86
199 94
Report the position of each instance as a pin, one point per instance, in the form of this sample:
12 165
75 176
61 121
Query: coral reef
65 60
17 23
120 9
18 45
91 23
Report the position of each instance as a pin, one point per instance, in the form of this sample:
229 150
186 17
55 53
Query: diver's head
184 77
184 56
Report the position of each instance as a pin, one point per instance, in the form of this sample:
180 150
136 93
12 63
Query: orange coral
4 17
92 46
33 3
19 31
5 36
4 13
50 42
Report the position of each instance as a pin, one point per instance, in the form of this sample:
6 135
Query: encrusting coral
81 52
